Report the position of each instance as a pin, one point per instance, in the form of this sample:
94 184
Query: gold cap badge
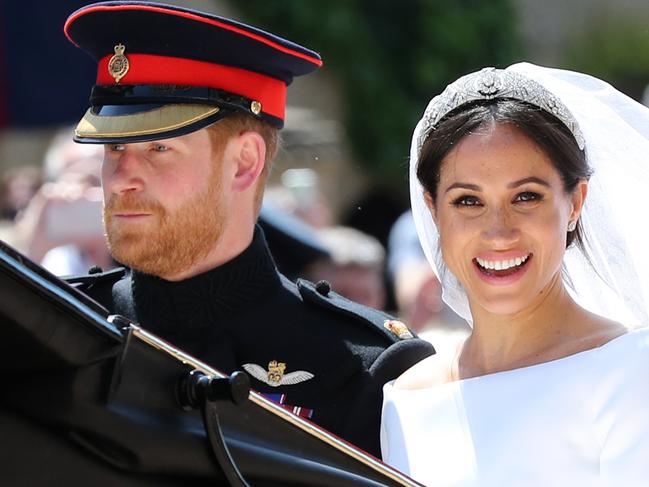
398 328
118 64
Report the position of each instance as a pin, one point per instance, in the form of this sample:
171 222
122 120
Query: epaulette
321 294
96 276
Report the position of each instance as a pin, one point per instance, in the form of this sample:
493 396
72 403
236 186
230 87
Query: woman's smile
502 271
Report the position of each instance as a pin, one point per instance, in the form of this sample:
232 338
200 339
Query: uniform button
95 269
323 288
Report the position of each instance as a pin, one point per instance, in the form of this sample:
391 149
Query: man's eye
115 147
527 196
466 201
160 148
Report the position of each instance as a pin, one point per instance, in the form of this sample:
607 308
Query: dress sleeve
393 445
623 419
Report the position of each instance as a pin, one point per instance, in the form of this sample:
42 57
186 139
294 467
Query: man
188 107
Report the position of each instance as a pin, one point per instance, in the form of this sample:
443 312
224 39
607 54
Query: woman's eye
466 201
527 196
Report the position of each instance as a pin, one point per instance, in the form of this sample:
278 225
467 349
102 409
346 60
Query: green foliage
615 49
392 57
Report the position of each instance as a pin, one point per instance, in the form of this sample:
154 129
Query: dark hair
550 134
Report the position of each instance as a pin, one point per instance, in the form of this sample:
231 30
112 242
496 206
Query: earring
572 225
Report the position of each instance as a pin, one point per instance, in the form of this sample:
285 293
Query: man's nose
124 174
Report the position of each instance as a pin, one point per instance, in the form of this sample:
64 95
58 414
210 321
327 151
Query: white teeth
500 265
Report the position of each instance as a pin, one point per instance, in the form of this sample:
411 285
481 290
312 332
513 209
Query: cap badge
275 375
398 328
118 64
255 107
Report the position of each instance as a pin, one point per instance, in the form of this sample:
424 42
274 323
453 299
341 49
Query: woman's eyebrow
531 179
473 187
514 184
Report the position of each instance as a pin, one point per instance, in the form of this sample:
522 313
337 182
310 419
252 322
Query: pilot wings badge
275 375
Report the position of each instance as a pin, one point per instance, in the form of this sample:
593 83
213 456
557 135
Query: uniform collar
179 308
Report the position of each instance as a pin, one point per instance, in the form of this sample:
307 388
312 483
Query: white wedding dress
582 420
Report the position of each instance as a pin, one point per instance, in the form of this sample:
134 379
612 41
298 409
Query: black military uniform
167 71
321 355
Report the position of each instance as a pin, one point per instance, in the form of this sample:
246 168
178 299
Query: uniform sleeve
398 358
364 413
623 420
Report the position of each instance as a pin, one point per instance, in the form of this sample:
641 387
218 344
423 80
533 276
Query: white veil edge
616 229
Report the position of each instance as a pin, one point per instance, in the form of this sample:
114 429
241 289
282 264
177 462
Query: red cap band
149 69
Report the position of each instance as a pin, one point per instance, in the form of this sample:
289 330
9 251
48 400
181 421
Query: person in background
17 188
294 244
354 267
188 107
299 194
61 227
417 290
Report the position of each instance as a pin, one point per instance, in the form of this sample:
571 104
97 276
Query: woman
549 265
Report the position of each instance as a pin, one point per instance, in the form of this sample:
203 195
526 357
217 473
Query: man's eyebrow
531 179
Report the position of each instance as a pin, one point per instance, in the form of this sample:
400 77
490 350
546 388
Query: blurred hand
62 213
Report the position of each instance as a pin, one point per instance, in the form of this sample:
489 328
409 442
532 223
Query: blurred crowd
53 215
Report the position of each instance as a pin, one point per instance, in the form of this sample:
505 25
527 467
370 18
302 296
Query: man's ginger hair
237 123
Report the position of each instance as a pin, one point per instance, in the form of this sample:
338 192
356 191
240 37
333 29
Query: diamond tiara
492 83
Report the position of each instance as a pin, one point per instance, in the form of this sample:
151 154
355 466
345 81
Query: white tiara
492 83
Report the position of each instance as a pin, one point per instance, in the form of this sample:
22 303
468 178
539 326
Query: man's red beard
172 241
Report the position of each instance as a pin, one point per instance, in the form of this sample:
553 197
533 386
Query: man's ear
249 155
431 206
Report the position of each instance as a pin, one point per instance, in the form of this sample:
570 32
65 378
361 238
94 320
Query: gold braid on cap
489 84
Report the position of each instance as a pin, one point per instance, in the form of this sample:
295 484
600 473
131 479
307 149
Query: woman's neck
533 335
553 327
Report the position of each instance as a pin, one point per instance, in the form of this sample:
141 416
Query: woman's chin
502 305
